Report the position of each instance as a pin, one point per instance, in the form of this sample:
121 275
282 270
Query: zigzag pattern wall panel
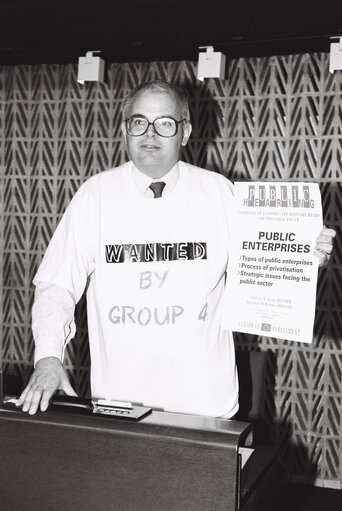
274 118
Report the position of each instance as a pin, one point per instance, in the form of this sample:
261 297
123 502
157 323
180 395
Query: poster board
272 271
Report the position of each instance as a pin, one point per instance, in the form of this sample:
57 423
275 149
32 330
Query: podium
73 460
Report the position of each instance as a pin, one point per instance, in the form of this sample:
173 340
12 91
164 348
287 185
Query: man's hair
159 87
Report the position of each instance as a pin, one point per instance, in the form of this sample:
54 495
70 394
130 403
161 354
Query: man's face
152 154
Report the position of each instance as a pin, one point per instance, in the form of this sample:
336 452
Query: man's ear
123 131
186 133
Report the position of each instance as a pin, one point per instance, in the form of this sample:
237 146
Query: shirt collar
142 181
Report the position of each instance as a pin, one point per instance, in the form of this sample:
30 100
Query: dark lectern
70 459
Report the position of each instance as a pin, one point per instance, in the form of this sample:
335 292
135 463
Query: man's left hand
324 245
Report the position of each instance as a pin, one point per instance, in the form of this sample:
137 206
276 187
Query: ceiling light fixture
211 64
90 68
335 55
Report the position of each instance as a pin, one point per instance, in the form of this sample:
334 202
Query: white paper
272 272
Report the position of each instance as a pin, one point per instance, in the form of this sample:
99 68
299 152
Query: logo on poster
295 196
266 327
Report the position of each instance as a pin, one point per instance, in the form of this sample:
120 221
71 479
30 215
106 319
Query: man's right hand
48 376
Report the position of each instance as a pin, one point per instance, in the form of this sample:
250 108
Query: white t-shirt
155 276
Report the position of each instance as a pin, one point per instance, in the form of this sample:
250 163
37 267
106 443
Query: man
149 241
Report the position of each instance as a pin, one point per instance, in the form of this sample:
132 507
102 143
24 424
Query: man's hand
324 245
48 376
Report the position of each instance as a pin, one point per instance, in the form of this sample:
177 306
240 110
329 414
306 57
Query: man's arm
53 326
60 283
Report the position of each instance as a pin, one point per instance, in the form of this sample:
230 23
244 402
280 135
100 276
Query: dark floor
301 497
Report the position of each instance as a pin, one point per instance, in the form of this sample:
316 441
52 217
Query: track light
335 55
90 68
211 64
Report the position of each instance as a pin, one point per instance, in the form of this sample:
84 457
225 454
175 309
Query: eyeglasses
137 125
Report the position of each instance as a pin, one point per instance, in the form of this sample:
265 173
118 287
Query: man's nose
151 131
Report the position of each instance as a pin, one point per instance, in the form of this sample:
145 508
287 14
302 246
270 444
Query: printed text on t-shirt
149 252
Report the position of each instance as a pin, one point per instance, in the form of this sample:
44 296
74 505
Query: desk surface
197 428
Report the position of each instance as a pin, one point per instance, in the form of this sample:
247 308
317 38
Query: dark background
58 31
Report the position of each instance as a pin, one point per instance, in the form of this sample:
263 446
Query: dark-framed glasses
137 125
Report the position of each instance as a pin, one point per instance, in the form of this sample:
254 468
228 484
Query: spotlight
211 64
335 56
90 68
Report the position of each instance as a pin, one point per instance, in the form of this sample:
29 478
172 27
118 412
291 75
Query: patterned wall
274 118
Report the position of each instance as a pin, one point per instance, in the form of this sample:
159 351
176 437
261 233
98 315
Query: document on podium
272 272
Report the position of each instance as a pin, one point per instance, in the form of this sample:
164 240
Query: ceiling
59 31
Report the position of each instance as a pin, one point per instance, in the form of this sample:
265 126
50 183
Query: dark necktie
157 188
